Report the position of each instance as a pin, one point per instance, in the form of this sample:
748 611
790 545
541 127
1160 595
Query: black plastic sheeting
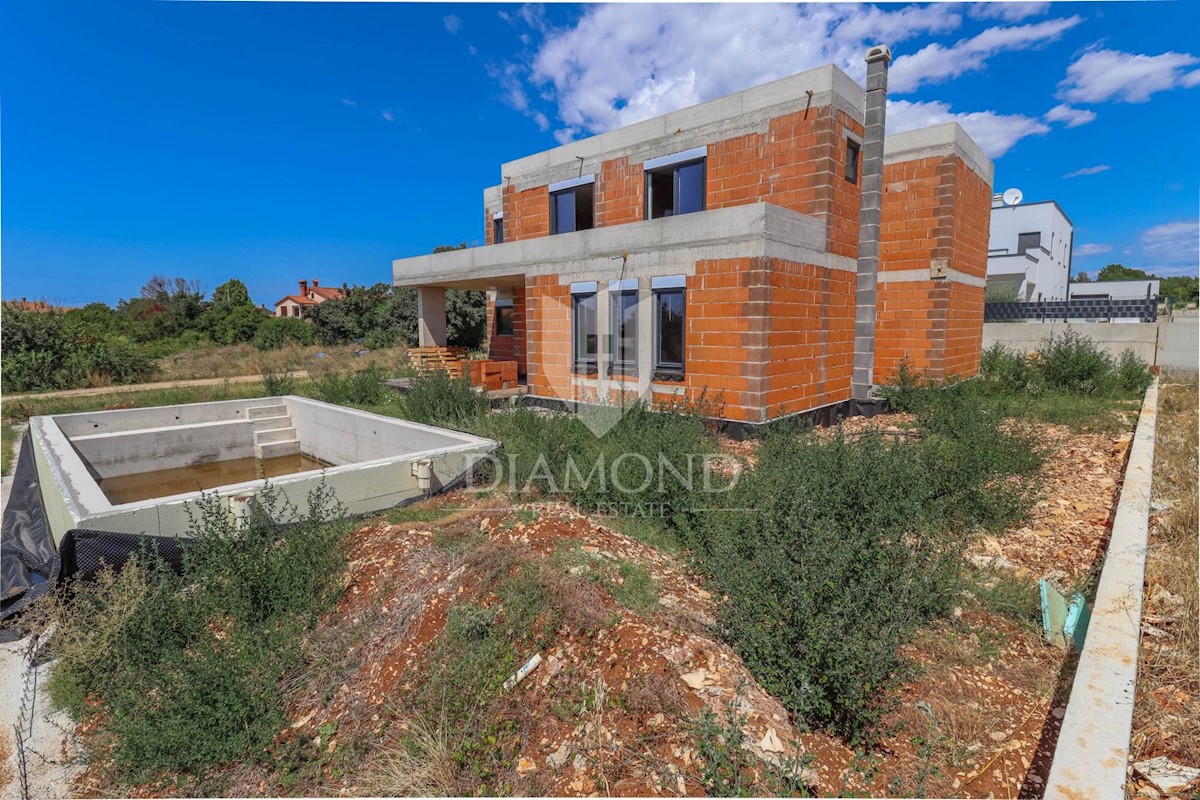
28 561
29 565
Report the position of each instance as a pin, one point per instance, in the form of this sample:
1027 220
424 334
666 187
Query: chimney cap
879 51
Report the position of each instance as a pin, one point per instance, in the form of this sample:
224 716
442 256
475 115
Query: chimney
863 378
315 284
304 288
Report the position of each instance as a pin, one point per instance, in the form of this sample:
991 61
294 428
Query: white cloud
995 133
346 101
1092 249
1009 12
453 23
936 63
1073 117
1172 242
1100 75
624 63
388 115
1096 170
540 120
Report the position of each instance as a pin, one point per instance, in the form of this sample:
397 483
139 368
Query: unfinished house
772 249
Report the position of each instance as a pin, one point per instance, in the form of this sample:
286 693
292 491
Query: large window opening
584 338
669 328
623 322
504 315
571 209
675 189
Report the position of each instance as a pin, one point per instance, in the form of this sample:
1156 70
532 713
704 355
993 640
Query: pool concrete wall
371 458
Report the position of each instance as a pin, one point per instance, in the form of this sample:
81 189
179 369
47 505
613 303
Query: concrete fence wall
1167 343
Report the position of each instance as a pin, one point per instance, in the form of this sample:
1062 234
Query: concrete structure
374 460
727 250
1116 290
1092 755
293 305
1173 344
1029 250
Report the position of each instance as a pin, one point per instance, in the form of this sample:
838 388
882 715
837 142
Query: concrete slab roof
755 229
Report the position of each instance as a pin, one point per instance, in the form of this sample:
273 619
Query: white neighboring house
1030 249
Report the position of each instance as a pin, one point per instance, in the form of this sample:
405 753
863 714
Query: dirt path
144 387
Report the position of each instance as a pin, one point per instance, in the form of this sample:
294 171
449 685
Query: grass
8 440
231 361
17 410
1169 666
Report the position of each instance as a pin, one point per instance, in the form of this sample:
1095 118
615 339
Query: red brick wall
511 347
526 213
620 190
933 208
765 337
799 163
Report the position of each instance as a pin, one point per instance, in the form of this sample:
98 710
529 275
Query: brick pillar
431 316
869 218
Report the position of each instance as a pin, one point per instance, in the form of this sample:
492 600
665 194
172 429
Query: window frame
673 168
504 304
573 187
498 229
669 370
584 365
1030 247
853 147
618 293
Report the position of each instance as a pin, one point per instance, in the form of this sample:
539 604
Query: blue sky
278 141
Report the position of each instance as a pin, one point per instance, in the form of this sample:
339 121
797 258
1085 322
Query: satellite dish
1012 197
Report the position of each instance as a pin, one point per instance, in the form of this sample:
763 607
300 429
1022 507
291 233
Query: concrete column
863 378
431 316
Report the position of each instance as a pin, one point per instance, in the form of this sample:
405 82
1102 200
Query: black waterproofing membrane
29 564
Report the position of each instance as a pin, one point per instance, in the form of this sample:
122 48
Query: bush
186 667
114 359
275 332
833 552
379 340
1005 367
1132 372
437 399
362 388
1072 362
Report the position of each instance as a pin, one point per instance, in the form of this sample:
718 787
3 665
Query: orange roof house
293 305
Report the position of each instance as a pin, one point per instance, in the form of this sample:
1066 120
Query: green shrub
362 388
1005 367
1133 374
833 552
380 339
187 667
1072 362
114 359
275 332
278 384
437 399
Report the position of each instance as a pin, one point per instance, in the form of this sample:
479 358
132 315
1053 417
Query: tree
1120 272
231 294
1082 277
1181 289
231 317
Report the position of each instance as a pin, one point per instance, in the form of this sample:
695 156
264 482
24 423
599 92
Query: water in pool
166 482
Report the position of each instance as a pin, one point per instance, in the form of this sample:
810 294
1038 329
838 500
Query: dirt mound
617 704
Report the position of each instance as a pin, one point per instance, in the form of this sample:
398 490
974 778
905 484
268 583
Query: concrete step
288 447
267 435
273 410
